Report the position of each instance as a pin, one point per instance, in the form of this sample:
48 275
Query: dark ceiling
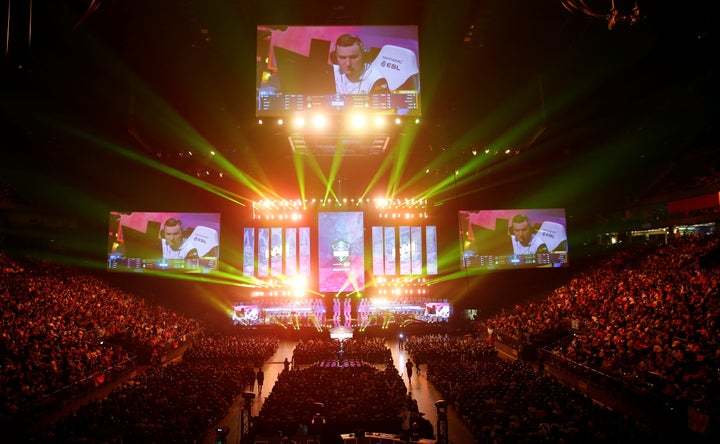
101 100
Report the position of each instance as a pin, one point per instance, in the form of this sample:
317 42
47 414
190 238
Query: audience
57 329
366 349
350 397
174 403
503 401
648 318
437 347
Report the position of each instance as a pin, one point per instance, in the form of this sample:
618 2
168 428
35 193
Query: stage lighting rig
614 12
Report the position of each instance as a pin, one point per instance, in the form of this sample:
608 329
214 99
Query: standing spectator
409 368
260 376
250 372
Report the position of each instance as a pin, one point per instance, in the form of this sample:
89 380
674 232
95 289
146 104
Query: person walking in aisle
260 377
409 369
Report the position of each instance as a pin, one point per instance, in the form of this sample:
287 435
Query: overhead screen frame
487 241
305 52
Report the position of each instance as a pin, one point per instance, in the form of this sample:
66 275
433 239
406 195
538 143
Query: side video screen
337 68
521 238
163 241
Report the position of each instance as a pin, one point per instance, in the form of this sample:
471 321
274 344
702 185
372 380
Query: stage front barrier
349 438
380 438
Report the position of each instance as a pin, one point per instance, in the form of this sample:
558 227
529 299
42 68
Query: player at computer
523 237
175 245
353 72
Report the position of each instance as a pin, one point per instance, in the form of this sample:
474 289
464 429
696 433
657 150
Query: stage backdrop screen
520 238
163 242
300 68
341 252
404 250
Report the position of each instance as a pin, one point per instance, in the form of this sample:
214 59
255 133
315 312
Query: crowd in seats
442 347
349 398
710 178
252 350
175 403
310 351
367 349
504 401
56 331
647 318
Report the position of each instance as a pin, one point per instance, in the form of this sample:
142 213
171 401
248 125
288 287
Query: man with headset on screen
523 237
175 245
353 73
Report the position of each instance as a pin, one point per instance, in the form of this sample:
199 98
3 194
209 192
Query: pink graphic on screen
341 252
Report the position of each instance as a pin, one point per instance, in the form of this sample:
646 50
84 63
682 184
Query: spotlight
357 121
319 121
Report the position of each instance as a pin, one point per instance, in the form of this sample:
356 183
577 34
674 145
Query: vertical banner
263 252
276 251
431 248
304 253
377 251
405 250
336 312
291 251
390 251
347 313
341 256
416 250
249 252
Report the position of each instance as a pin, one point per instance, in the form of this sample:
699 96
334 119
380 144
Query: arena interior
475 221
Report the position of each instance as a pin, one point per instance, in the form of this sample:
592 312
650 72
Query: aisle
426 396
272 368
419 388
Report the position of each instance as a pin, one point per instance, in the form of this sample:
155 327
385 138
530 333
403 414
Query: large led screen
520 238
403 250
276 252
341 252
337 68
163 241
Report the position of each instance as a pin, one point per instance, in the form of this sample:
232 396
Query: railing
83 386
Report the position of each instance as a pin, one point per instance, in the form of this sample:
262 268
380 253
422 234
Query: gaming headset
172 222
518 219
349 40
